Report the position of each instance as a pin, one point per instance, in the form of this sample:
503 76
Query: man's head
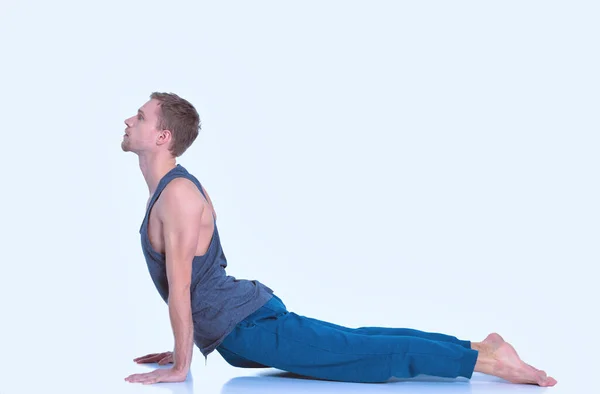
165 123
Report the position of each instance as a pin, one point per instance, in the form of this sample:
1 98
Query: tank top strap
192 178
177 172
159 188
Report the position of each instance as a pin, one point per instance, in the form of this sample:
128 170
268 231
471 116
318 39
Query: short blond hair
180 117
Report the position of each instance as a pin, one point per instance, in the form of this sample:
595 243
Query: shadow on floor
285 382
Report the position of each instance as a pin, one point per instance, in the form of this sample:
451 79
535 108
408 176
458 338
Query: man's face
141 133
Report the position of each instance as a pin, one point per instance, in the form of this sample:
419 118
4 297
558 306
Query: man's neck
154 169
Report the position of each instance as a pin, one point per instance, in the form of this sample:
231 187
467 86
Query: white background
423 164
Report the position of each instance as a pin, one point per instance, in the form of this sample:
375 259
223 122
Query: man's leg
272 336
490 344
236 360
405 332
300 345
303 346
408 332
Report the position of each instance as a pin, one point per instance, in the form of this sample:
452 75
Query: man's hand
160 358
158 375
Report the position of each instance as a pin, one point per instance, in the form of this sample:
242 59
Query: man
243 320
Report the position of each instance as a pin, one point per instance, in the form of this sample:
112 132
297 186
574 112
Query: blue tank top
219 301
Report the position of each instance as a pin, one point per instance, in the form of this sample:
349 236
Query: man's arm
180 212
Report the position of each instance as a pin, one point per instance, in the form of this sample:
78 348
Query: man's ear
164 137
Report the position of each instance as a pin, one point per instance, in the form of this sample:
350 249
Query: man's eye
140 117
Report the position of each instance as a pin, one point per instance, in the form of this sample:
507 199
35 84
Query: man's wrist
180 369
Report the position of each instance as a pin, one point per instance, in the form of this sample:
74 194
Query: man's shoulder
180 185
178 193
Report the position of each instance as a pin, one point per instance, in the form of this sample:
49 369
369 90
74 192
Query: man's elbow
180 294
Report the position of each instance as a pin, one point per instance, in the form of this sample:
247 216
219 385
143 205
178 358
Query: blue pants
274 337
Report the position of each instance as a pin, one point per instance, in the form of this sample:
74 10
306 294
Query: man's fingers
141 377
165 360
146 360
147 378
154 357
151 358
146 356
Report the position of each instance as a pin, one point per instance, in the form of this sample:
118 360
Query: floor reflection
285 382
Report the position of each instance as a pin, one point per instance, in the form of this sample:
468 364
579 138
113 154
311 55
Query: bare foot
493 341
510 367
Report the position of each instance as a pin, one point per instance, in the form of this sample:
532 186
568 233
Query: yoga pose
244 320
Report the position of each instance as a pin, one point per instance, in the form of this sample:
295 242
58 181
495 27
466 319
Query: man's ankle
485 363
482 348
